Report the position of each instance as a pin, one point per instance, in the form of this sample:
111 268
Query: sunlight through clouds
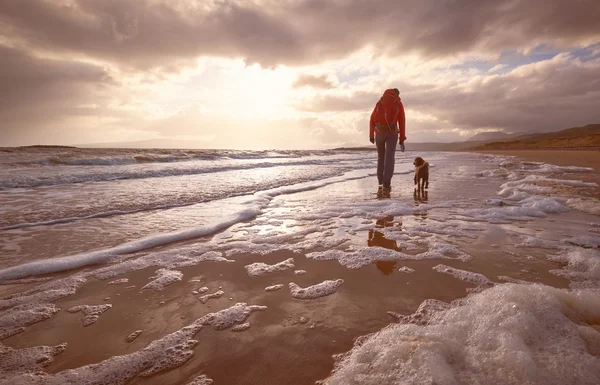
78 71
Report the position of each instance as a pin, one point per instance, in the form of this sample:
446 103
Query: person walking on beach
387 126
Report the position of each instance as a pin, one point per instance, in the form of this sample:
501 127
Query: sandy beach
503 250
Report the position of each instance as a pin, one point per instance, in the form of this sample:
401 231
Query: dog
421 173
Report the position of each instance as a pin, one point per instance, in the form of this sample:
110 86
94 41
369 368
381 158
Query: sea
153 266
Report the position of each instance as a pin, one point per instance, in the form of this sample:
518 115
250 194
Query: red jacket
401 120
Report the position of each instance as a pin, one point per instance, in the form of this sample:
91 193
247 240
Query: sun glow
253 92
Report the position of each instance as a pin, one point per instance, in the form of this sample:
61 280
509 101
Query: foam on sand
322 289
464 275
274 287
24 366
259 268
509 334
18 366
405 269
45 293
357 257
133 336
163 278
92 313
118 281
241 327
588 205
234 315
582 266
16 320
534 242
201 380
206 297
585 241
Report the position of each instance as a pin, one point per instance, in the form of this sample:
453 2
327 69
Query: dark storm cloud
34 90
151 33
306 80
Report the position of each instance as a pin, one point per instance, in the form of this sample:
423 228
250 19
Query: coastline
394 258
559 157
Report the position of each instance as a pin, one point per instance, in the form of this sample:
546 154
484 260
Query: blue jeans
386 151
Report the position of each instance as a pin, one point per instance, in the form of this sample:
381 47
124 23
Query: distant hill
487 136
582 137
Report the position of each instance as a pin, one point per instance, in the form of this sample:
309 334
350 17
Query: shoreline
453 241
559 157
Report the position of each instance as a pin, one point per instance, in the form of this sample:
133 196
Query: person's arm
372 124
401 123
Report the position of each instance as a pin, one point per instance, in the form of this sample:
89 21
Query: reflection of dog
421 173
420 196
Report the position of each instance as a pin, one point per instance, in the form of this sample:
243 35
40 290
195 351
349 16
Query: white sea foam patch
509 334
322 289
24 366
163 278
356 257
551 169
253 207
45 293
234 315
201 380
274 287
16 319
588 205
133 336
215 295
586 241
171 259
259 268
464 275
582 266
535 242
91 312
118 281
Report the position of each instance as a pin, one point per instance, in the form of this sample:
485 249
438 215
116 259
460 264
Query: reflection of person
387 125
377 238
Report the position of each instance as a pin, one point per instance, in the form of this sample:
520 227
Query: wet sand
278 348
293 341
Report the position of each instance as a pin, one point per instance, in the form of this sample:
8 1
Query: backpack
387 110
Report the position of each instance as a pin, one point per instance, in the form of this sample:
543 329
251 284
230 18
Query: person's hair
397 91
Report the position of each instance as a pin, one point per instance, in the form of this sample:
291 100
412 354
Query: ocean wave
97 157
253 207
28 179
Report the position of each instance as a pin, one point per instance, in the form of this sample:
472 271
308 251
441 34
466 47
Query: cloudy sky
292 73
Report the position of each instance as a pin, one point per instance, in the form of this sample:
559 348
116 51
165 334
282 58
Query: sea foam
24 366
509 334
259 268
322 289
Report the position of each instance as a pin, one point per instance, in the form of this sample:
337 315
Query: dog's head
418 161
